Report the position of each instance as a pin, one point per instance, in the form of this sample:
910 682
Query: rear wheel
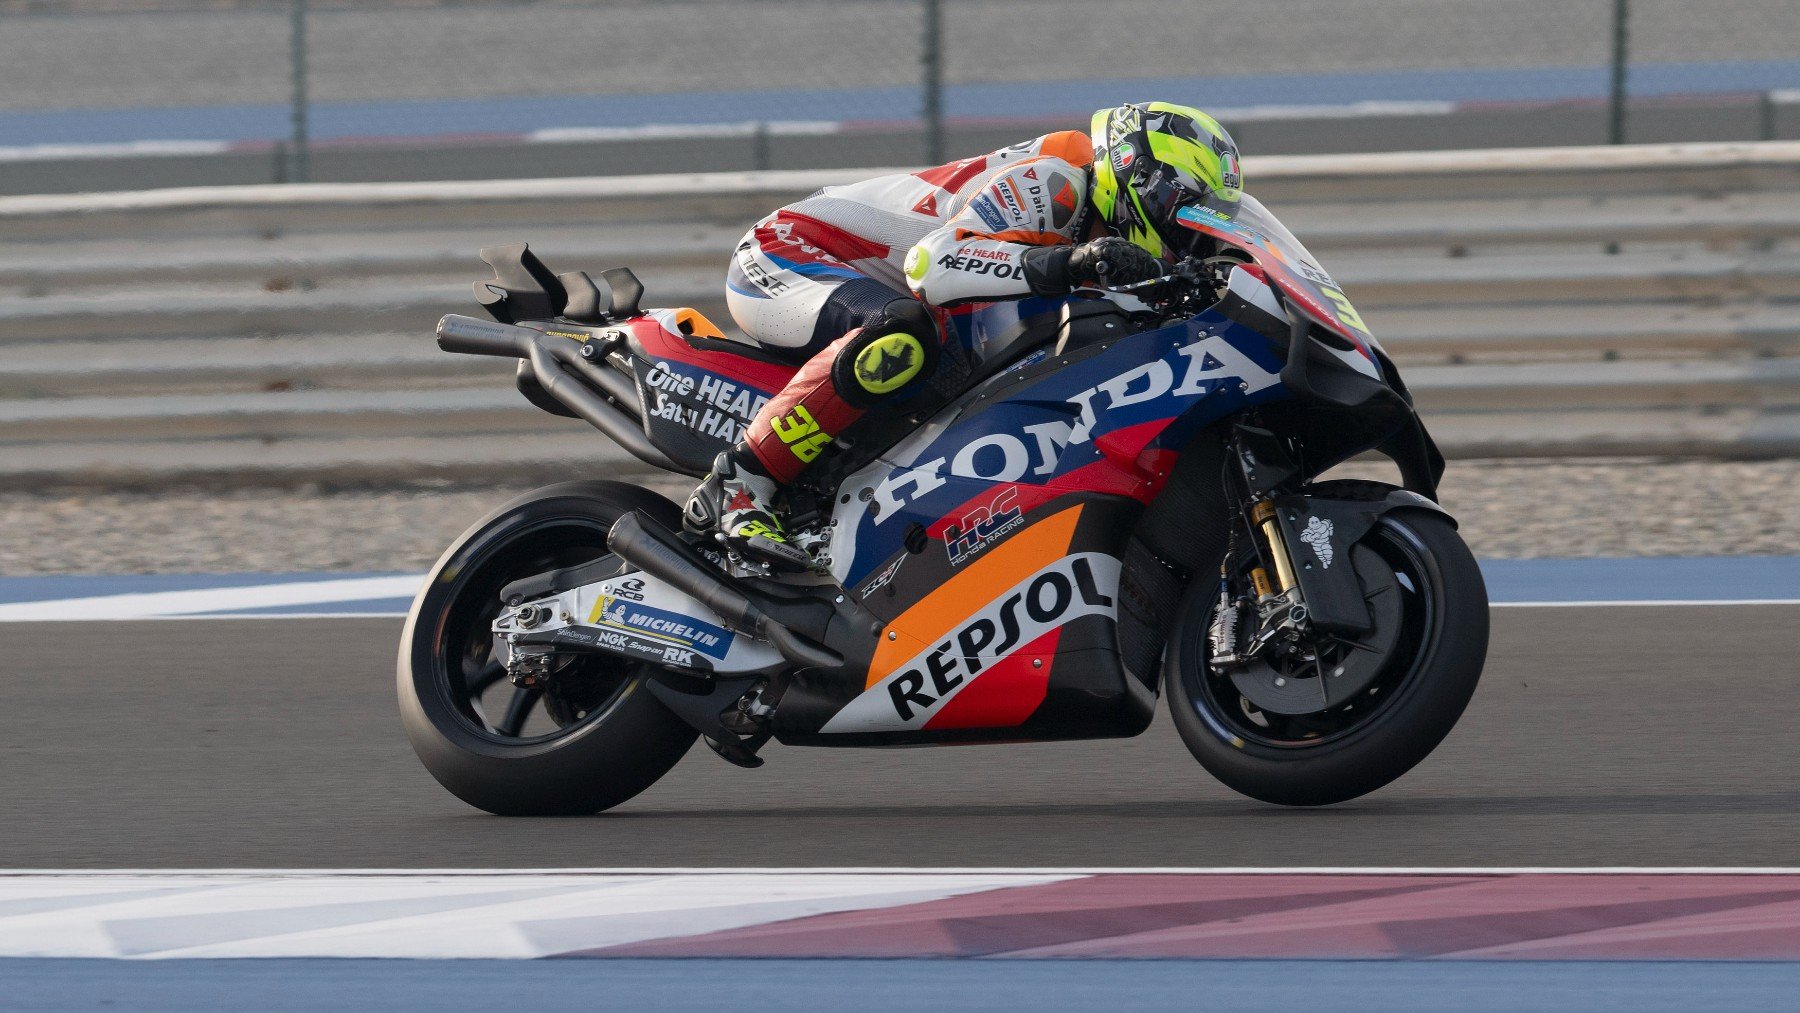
592 736
1413 676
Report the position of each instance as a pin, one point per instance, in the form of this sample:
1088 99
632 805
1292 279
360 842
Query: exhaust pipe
654 549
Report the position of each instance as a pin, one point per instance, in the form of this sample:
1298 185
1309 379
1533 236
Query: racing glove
1110 261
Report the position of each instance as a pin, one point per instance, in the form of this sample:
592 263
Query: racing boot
738 501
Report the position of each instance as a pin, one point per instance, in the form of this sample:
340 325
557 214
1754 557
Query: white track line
668 131
122 149
175 604
1104 870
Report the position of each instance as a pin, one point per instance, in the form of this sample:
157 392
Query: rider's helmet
1153 159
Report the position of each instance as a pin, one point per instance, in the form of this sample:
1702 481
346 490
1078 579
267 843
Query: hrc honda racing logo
983 526
1083 584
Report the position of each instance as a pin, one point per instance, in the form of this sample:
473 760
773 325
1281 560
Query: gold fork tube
1264 515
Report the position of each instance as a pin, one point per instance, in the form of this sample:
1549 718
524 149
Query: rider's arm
982 252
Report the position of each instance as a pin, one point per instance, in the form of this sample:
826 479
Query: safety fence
214 91
1576 301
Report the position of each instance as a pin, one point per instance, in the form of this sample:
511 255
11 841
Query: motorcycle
1094 500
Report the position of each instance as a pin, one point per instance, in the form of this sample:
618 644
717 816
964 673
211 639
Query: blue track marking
1703 578
1005 986
1509 582
517 115
362 607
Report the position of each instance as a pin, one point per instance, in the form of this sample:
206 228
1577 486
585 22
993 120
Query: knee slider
886 356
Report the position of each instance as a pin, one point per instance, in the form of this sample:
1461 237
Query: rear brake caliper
529 665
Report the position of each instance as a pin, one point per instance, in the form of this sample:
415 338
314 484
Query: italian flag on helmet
1151 160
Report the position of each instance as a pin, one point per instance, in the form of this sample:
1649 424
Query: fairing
990 543
987 546
696 401
1254 229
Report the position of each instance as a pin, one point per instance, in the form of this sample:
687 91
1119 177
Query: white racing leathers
952 233
979 254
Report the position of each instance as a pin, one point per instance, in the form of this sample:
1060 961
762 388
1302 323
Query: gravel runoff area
1508 509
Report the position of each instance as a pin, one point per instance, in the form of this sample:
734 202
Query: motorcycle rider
848 278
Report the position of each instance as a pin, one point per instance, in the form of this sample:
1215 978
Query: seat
703 335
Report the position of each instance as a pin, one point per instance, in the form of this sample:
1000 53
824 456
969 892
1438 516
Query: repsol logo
1083 584
1196 369
973 265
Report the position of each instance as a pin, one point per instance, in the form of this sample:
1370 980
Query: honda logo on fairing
1082 584
1009 457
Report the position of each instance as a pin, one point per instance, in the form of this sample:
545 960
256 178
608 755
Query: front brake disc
1284 685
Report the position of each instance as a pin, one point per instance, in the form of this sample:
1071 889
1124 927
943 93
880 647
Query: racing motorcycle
1095 500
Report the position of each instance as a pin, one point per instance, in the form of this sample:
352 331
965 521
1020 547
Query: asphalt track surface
1601 736
871 985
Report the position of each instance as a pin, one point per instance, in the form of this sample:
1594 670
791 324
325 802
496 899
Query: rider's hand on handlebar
1112 262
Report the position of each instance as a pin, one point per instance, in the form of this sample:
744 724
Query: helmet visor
1170 219
1165 192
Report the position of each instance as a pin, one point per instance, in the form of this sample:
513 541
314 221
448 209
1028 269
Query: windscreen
1254 229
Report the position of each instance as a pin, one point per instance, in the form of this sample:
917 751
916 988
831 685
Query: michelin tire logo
1318 535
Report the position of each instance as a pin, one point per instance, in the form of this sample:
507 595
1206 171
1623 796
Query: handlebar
1182 277
474 336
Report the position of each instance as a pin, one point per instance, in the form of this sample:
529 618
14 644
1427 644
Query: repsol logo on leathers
1197 369
1083 584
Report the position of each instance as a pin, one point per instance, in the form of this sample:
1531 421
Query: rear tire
1450 612
601 756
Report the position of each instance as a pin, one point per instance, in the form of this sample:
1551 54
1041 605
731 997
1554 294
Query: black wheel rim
1234 718
466 667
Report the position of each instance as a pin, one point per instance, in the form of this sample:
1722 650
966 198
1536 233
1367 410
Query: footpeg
782 555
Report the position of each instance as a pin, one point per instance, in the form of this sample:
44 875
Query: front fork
1276 605
1262 514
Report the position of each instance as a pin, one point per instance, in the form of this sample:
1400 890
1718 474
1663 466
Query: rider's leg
843 382
892 341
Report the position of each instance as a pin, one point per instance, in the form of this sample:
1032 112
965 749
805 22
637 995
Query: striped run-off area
1533 915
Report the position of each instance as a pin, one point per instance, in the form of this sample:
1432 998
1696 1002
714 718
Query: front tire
1343 754
596 737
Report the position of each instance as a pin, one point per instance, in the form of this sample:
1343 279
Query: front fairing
1104 419
1254 229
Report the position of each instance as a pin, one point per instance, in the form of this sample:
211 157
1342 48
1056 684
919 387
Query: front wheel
592 736
1431 635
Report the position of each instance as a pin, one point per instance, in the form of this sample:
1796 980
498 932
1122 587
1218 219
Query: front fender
1319 531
